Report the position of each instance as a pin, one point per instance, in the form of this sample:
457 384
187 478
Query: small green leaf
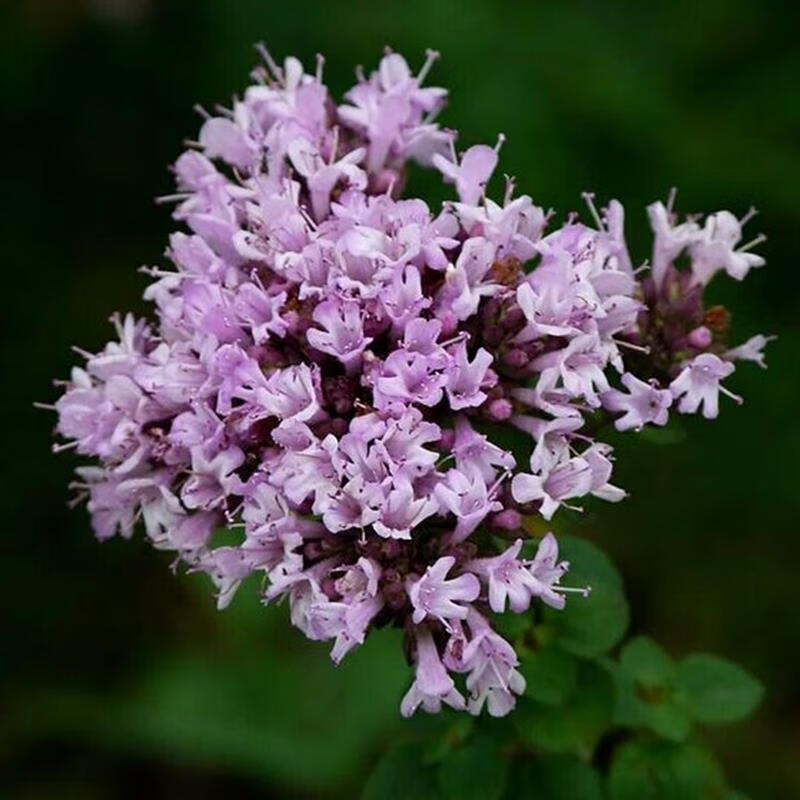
589 626
559 778
653 770
651 707
550 674
716 690
647 662
475 771
576 724
668 720
401 775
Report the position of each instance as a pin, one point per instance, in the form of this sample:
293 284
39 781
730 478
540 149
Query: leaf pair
656 693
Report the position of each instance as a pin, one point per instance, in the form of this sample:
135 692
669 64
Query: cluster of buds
328 362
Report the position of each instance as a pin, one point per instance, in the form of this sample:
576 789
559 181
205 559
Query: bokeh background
118 680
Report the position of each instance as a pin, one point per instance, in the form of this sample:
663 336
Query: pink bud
447 439
500 410
507 520
700 337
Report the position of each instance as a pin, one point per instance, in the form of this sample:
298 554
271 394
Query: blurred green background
118 680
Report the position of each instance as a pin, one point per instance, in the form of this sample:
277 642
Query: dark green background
119 680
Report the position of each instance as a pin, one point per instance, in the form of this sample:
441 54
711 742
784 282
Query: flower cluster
329 362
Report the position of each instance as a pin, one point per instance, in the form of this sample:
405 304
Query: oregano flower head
329 362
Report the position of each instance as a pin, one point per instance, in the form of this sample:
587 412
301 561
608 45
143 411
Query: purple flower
435 596
699 384
342 334
464 284
493 679
547 572
552 438
402 512
410 378
509 580
714 249
472 174
212 478
475 453
670 239
466 495
432 685
644 403
466 379
564 481
323 176
751 350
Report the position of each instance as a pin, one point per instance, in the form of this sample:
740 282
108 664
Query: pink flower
644 403
432 685
435 596
699 384
472 174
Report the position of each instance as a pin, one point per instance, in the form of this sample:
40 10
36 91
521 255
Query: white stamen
197 108
225 112
456 339
335 145
510 186
496 485
77 500
269 61
751 212
45 406
155 272
588 198
172 198
60 448
637 347
501 139
673 193
453 154
584 590
430 57
752 243
320 65
735 397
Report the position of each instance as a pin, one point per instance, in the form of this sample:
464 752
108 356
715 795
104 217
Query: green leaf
401 775
716 690
475 771
560 778
653 770
645 691
589 626
550 674
576 724
668 720
647 662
